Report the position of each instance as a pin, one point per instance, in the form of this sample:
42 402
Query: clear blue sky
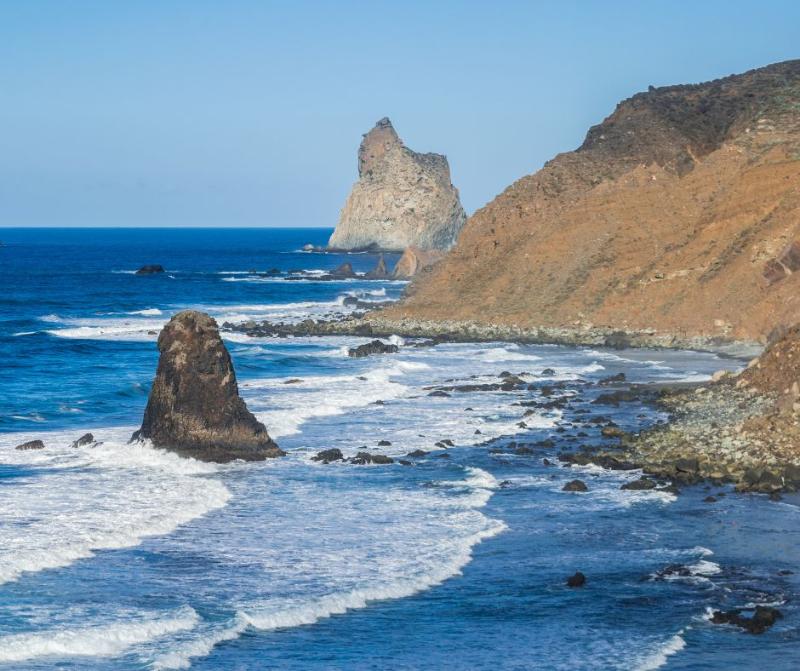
250 113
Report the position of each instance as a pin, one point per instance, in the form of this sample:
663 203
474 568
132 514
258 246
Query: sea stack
194 407
401 198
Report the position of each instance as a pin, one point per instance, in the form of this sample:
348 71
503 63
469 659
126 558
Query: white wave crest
102 640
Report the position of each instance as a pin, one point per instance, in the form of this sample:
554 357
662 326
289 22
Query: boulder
85 439
327 456
153 269
640 484
575 486
374 347
194 407
31 445
417 453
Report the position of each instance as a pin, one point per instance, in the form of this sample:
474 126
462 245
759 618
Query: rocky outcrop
374 347
676 215
85 439
31 445
401 198
413 261
194 407
379 272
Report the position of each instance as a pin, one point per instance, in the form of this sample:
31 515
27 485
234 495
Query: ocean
122 557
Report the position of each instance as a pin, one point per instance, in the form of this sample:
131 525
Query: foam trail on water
95 498
101 640
661 656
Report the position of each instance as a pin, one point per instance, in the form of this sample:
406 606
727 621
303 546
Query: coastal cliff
401 198
194 407
679 214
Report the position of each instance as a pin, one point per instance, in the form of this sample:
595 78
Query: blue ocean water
120 556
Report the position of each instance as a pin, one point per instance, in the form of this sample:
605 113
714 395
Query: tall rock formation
401 198
679 213
194 406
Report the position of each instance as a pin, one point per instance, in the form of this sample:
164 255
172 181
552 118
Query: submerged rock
31 445
194 407
152 269
577 580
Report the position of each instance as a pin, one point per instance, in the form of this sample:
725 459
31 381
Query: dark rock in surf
363 458
85 439
639 485
575 486
31 445
327 456
762 619
194 407
374 347
152 269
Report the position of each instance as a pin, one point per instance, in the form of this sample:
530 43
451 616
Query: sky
249 113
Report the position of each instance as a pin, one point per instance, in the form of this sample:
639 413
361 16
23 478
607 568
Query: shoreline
373 325
703 438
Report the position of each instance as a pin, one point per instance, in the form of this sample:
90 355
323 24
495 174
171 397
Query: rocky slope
402 198
194 406
743 428
680 213
414 261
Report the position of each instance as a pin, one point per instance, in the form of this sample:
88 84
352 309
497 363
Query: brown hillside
677 213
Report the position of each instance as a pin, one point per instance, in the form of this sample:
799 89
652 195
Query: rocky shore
741 428
372 324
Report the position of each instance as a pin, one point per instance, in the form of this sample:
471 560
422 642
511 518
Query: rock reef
194 407
401 198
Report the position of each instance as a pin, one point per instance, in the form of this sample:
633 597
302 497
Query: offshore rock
153 269
31 445
373 347
401 198
194 407
379 272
